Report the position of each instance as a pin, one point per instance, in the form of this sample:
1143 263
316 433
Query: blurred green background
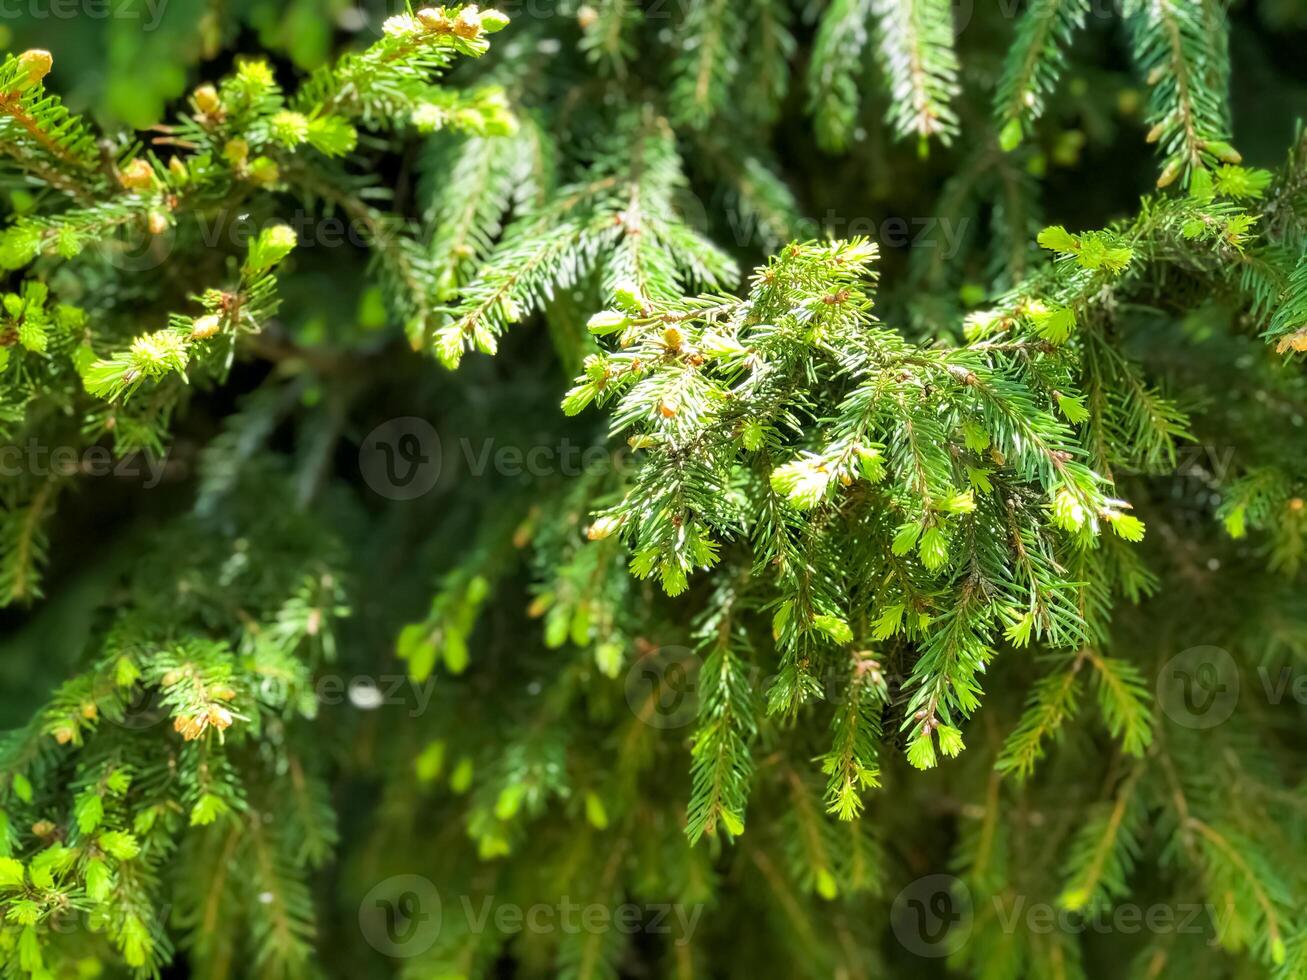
124 60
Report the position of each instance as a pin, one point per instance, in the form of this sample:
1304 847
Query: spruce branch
1180 48
919 61
1034 64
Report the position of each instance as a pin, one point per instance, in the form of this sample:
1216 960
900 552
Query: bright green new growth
792 421
240 141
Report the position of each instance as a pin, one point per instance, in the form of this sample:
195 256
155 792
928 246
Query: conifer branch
1034 63
836 65
897 508
919 61
1182 59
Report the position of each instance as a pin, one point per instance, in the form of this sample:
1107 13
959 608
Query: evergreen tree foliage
873 611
